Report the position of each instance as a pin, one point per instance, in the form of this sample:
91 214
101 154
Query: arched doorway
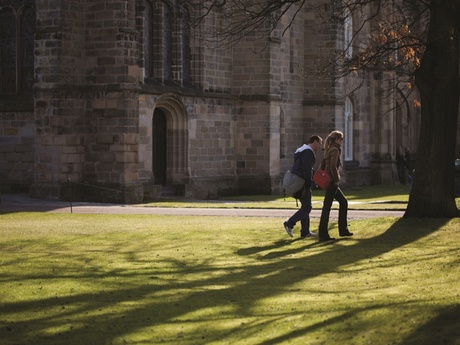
167 144
159 140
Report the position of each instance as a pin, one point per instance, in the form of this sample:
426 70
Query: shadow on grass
442 330
83 318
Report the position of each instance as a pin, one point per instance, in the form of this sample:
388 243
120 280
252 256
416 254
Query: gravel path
22 203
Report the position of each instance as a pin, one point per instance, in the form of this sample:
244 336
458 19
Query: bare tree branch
240 19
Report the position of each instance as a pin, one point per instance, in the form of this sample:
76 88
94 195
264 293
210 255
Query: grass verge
377 197
118 279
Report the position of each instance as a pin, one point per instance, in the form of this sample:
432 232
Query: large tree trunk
437 79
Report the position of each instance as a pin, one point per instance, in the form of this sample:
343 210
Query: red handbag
321 177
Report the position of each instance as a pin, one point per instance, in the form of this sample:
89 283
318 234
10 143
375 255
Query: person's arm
308 160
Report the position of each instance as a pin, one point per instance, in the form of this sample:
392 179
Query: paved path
22 203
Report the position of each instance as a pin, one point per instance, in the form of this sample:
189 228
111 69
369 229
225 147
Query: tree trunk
437 79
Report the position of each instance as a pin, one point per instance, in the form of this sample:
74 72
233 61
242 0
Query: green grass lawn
133 279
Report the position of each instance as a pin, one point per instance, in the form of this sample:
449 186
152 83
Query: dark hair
314 138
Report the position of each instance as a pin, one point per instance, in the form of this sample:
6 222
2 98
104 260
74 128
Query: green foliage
133 279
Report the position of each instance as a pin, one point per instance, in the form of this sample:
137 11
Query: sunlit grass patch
134 279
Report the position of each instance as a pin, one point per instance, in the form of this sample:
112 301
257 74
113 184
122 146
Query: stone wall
232 128
16 150
86 101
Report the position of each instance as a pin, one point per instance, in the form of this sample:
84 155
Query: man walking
304 160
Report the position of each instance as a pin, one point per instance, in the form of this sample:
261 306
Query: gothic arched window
17 27
185 34
348 131
148 39
166 42
166 32
348 34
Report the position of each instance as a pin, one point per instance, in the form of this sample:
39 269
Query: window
348 34
166 42
148 40
157 41
185 34
17 27
348 131
165 31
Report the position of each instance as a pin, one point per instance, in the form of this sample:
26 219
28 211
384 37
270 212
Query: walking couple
304 160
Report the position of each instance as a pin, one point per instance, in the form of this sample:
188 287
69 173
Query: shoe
345 233
325 239
308 234
288 229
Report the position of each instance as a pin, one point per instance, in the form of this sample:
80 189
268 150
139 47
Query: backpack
292 183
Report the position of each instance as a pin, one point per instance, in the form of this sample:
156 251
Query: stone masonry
129 103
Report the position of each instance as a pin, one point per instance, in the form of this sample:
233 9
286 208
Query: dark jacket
304 160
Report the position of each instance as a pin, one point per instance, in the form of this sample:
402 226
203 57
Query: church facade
123 101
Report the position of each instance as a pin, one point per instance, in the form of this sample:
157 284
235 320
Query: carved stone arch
356 104
176 137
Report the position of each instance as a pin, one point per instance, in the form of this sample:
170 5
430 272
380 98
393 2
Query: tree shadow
255 249
441 330
82 319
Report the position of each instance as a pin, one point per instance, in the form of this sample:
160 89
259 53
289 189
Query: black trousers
333 192
303 214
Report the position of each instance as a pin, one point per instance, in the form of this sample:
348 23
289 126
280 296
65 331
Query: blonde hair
332 137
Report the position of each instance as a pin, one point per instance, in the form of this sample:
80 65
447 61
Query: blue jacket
304 160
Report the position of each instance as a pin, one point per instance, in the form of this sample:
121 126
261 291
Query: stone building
121 101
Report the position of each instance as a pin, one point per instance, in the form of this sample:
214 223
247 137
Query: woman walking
332 164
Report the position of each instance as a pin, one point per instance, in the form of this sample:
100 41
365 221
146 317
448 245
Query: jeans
333 192
303 214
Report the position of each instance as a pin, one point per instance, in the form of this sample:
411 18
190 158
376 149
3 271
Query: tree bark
437 79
